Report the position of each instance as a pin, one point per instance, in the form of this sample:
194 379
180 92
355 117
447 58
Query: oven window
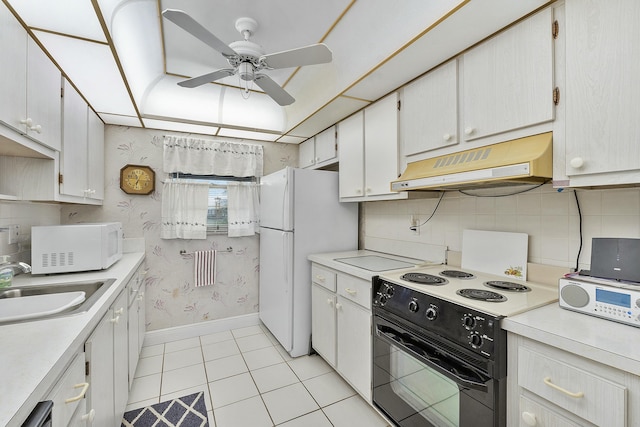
432 396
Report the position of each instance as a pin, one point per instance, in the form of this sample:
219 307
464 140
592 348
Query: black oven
436 363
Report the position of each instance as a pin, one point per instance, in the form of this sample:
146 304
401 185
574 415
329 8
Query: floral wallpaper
171 298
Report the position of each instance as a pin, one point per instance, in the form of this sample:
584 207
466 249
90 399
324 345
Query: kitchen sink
64 299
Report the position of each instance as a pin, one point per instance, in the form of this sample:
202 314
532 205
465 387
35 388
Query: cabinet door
323 323
74 154
120 355
326 145
44 103
142 325
429 114
95 156
381 146
603 88
306 153
13 72
133 341
354 345
508 80
351 154
99 354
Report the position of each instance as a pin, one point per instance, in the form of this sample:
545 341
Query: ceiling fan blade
307 55
207 78
274 90
190 25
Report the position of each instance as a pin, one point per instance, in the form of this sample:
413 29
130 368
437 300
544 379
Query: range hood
520 161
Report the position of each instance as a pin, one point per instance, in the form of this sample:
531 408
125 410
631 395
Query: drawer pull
338 306
320 278
119 311
529 419
350 291
85 387
330 302
548 382
89 416
115 320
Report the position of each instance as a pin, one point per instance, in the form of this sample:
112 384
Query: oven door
416 383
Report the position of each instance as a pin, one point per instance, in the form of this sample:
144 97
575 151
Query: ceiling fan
247 58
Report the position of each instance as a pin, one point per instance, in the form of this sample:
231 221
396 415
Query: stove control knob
638 303
468 321
383 300
475 339
389 290
413 306
431 313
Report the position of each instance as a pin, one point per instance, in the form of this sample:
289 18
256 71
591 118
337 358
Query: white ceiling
125 59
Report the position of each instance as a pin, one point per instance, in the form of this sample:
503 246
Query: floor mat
186 411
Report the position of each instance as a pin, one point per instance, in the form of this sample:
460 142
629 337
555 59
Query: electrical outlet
415 225
14 231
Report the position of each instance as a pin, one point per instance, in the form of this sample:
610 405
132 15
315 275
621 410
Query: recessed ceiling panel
243 134
72 17
281 26
179 127
332 113
115 119
92 69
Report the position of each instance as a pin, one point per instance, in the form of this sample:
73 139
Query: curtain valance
202 157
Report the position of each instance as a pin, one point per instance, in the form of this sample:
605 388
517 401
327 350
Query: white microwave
77 247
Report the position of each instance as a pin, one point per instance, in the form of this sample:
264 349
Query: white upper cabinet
30 85
507 81
429 113
319 151
602 92
368 152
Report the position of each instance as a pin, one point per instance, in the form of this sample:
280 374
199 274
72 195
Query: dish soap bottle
6 273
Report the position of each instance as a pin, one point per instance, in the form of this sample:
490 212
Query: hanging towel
205 268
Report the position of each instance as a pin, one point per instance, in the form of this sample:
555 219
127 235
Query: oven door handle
395 339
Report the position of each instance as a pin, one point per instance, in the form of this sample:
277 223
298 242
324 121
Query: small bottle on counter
6 273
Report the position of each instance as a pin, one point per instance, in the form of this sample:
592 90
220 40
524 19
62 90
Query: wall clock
137 179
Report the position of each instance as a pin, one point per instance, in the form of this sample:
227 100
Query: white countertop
34 354
328 259
610 343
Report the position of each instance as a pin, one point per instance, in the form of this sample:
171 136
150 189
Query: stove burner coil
424 279
481 295
507 286
457 274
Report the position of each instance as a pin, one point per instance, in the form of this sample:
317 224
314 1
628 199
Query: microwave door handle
394 339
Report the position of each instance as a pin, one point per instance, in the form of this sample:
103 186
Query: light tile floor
249 381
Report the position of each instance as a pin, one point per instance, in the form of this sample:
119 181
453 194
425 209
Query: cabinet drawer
591 397
66 392
357 290
544 417
323 277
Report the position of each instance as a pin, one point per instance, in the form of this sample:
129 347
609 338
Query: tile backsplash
25 215
549 216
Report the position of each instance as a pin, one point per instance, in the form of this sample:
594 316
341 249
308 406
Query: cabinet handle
119 311
368 189
320 278
577 162
85 387
577 395
28 121
358 191
446 137
469 131
330 302
141 296
338 306
115 320
529 418
89 416
350 291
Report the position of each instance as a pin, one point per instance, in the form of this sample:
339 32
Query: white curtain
201 157
184 209
242 208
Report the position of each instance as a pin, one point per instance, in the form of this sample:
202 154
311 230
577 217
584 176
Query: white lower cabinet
341 326
107 370
68 395
551 387
135 291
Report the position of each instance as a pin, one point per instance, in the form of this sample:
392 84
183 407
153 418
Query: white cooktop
517 302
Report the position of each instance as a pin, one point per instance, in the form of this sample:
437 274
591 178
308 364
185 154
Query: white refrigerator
300 214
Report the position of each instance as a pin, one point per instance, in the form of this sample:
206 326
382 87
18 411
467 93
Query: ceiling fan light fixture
246 71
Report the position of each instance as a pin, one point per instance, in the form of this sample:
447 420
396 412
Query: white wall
548 216
25 215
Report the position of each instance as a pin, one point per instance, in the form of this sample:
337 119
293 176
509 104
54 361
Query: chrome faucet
18 267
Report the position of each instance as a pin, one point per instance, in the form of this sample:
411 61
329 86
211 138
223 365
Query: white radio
612 302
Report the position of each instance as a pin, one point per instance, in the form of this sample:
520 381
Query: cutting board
496 252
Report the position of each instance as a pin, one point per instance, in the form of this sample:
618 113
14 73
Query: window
217 213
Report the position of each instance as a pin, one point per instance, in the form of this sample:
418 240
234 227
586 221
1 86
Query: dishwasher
40 416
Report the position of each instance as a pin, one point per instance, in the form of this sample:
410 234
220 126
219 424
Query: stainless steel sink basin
93 291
